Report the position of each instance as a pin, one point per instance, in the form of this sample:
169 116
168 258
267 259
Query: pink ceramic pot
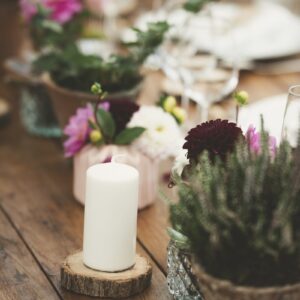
91 155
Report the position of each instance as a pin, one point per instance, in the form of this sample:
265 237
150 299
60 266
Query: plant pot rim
49 82
227 286
90 146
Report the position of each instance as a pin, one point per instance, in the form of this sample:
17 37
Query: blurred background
201 60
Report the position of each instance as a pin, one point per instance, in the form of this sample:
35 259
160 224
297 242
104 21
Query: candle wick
115 157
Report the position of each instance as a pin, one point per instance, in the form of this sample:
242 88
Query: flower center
160 128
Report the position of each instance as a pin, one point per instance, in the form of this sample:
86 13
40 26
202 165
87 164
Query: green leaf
106 123
128 135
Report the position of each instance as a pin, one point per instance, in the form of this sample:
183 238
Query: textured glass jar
36 112
181 281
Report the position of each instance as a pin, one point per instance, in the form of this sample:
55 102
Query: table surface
41 223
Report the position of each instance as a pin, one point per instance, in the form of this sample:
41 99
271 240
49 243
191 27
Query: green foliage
106 123
195 6
128 135
104 128
148 40
107 126
74 70
242 216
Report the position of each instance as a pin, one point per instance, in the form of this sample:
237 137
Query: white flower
180 162
162 137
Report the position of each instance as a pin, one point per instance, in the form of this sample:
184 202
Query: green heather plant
73 70
240 216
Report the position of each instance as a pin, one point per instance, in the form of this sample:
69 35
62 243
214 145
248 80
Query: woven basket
217 289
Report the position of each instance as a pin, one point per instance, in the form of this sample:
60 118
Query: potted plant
122 130
235 228
51 25
71 72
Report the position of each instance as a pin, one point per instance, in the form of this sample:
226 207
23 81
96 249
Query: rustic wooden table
41 223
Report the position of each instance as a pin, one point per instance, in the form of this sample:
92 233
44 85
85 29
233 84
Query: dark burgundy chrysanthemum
122 111
218 137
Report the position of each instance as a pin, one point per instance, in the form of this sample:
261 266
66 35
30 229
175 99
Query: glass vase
36 112
291 119
181 281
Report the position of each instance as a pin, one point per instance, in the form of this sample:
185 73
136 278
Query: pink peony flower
78 130
61 11
254 141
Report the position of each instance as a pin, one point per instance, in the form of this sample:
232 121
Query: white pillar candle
110 217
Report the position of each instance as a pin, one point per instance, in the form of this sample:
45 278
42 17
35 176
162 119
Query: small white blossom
180 162
162 137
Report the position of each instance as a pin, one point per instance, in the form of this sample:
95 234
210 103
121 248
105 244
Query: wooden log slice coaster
76 277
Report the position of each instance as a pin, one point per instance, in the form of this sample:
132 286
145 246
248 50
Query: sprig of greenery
148 41
242 216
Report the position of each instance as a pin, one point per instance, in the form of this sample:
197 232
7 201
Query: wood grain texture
51 221
76 277
20 276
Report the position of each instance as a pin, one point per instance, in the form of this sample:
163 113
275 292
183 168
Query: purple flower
105 105
78 130
254 141
218 137
61 11
28 9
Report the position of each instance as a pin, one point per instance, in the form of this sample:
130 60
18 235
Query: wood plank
39 202
17 146
288 80
152 231
20 276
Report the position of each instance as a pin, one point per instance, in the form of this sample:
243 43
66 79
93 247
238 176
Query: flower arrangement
105 123
238 209
122 122
54 23
71 69
142 135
